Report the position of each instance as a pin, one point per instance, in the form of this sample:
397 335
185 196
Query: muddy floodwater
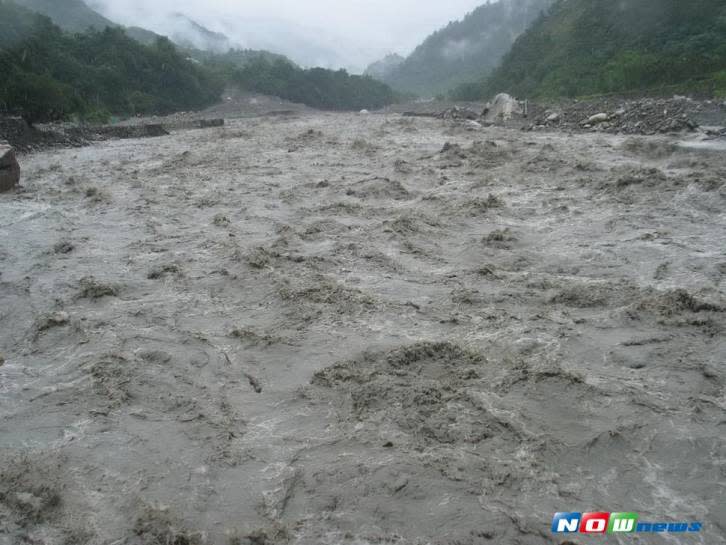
334 329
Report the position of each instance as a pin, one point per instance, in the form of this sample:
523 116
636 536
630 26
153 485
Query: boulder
503 108
553 117
9 168
597 118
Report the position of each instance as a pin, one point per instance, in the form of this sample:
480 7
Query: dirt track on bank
339 329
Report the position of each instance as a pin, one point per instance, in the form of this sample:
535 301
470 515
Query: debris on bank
24 138
646 116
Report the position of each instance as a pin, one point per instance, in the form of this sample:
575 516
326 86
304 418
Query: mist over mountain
77 16
465 50
189 33
70 15
305 46
385 67
311 33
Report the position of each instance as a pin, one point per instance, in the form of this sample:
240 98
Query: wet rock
63 247
452 151
21 136
675 302
54 319
220 220
419 114
597 119
646 116
500 238
553 118
149 130
502 108
94 289
159 525
163 270
9 168
261 258
458 112
209 123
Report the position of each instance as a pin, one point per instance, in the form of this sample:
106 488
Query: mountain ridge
465 49
70 15
587 47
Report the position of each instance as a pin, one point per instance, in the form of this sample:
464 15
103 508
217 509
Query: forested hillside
316 87
381 69
51 75
70 15
465 50
588 47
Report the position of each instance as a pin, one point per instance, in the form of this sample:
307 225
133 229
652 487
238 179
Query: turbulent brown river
334 329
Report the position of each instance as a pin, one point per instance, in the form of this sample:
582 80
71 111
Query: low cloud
338 34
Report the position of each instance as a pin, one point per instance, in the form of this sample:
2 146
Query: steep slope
189 33
599 46
77 16
48 74
385 67
70 15
466 49
142 35
15 24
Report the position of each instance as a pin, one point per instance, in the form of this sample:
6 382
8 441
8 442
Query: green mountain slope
77 16
587 47
49 74
70 15
14 24
381 69
465 50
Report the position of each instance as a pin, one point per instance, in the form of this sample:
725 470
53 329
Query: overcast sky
361 30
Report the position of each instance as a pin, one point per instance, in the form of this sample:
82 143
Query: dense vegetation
465 50
75 16
51 75
585 47
70 15
316 87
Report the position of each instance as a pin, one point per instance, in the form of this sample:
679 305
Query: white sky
362 30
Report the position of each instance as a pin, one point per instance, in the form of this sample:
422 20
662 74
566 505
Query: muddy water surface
340 329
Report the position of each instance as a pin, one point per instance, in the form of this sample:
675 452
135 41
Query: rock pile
458 112
644 116
120 131
25 138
